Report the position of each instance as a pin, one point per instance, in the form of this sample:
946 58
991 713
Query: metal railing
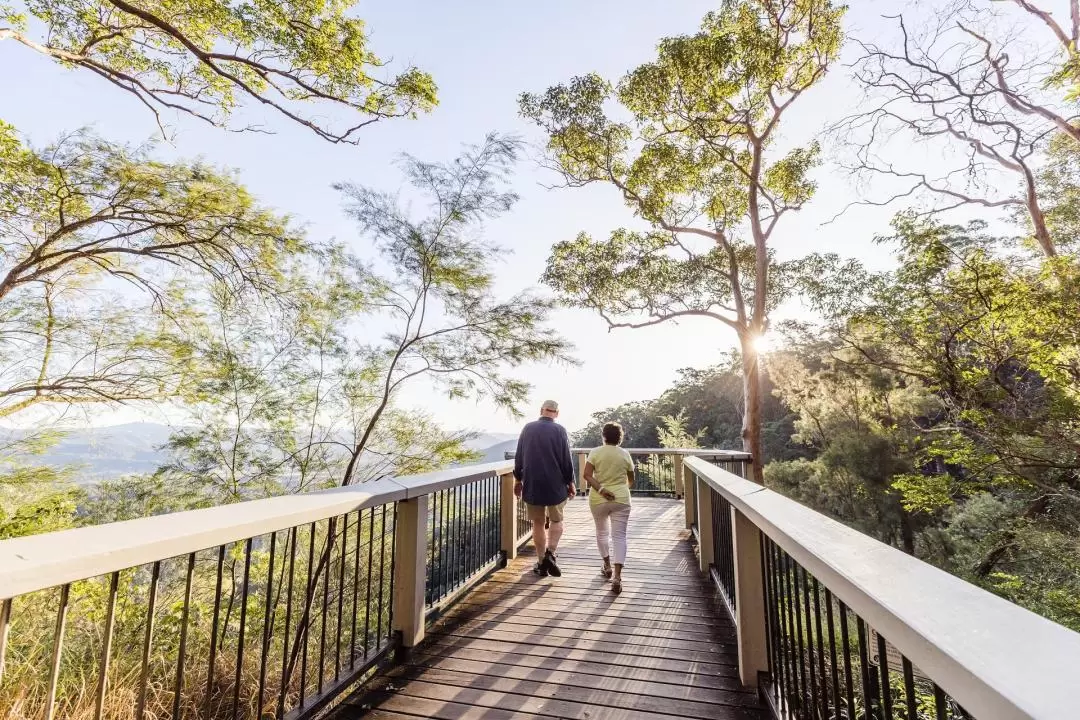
834 624
658 471
463 536
270 608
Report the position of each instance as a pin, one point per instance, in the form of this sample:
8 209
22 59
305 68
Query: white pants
611 519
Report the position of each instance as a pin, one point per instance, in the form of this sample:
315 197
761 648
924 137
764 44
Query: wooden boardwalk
520 646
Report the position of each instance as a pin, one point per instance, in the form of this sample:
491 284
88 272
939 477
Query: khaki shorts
537 513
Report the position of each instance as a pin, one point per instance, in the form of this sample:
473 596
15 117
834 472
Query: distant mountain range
135 448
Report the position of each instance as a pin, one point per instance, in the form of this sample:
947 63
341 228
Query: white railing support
582 459
410 569
689 483
704 525
679 485
749 600
508 517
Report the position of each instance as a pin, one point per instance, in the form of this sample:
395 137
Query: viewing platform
413 597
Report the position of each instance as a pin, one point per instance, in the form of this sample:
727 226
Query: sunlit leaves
206 57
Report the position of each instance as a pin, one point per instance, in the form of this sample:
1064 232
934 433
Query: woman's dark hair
612 433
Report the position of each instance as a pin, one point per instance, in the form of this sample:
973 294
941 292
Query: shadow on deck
519 646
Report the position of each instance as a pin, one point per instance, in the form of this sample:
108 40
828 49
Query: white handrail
686 452
998 660
47 560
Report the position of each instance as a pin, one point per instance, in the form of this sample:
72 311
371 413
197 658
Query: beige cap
550 405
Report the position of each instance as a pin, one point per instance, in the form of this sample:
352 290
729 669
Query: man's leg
555 531
536 515
554 535
540 541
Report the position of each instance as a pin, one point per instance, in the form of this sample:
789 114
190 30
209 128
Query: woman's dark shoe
540 568
551 565
606 572
616 585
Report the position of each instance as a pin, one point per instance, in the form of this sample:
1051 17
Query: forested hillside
935 410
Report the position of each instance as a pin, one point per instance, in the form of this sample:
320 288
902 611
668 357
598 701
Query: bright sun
766 343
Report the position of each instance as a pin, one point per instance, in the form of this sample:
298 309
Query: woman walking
609 472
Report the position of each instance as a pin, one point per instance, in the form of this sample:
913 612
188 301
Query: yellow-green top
610 465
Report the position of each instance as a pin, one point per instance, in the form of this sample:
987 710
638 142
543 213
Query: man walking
544 474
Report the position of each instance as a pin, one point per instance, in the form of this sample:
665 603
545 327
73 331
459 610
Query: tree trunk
751 426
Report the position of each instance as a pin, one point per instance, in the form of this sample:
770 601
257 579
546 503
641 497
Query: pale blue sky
483 53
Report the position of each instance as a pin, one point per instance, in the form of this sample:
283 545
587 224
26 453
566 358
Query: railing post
678 460
507 517
749 599
689 478
704 525
582 485
410 569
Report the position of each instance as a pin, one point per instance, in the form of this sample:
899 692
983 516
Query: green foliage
673 433
984 337
81 220
1059 188
862 425
204 58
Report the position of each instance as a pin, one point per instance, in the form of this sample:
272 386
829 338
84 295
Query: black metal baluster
459 518
443 544
849 682
355 587
284 680
785 634
182 650
821 652
214 633
341 594
909 690
814 696
106 644
382 578
864 661
305 614
148 640
58 650
775 672
941 708
328 553
806 689
475 537
268 623
832 653
791 579
367 594
886 683
243 629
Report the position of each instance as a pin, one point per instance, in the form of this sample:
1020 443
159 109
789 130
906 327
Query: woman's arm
590 478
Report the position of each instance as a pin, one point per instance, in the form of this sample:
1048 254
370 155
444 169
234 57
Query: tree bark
751 427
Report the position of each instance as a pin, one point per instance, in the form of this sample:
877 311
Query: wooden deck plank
521 647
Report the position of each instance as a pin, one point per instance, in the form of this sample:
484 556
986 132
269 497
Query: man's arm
566 461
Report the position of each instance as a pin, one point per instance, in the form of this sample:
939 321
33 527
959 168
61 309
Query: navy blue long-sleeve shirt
543 463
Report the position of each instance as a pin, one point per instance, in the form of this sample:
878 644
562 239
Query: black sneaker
550 564
540 568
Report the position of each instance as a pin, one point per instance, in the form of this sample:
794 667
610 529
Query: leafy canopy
84 219
204 57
